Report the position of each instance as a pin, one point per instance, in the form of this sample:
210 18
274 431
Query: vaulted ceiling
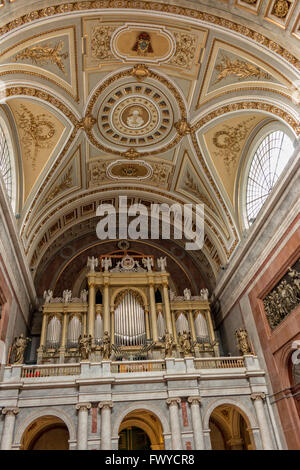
156 101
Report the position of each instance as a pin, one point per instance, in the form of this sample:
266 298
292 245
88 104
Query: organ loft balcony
128 315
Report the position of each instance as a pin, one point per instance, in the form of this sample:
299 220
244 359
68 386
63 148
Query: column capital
91 283
105 405
173 401
83 406
194 400
10 410
258 396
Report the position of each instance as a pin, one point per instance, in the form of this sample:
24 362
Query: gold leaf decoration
37 132
185 50
100 43
43 55
65 183
281 8
239 68
229 140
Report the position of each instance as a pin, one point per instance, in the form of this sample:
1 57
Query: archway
46 433
141 430
230 429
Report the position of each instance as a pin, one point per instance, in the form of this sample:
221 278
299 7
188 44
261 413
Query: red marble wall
277 344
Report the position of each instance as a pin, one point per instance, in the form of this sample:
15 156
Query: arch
233 425
24 424
243 410
157 412
137 289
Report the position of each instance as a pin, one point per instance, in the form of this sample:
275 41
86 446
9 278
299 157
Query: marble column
91 310
112 325
197 422
167 308
44 329
105 436
106 310
174 329
153 314
258 400
147 322
175 423
192 326
8 427
82 431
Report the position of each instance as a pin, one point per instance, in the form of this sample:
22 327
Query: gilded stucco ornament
238 68
140 71
43 55
281 8
283 298
182 127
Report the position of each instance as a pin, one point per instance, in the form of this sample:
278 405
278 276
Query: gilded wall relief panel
279 12
105 171
143 43
230 69
225 143
40 132
253 6
284 297
97 43
51 55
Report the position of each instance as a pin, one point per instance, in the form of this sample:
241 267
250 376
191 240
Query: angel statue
18 348
148 263
162 263
185 343
187 294
83 296
67 296
48 294
106 263
204 294
92 263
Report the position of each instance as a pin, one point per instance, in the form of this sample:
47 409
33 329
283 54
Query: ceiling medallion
135 115
127 169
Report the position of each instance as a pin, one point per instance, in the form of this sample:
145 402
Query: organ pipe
129 322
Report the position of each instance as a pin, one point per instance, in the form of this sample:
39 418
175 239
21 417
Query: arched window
5 164
269 160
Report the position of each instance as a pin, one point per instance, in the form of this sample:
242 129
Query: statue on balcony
18 348
244 346
148 263
162 263
106 263
83 296
48 295
204 294
172 295
187 294
106 346
67 296
85 347
169 344
185 343
92 263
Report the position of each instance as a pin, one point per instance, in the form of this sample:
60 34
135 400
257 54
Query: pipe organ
129 318
130 313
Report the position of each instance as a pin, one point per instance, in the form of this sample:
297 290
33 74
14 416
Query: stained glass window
5 163
267 165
